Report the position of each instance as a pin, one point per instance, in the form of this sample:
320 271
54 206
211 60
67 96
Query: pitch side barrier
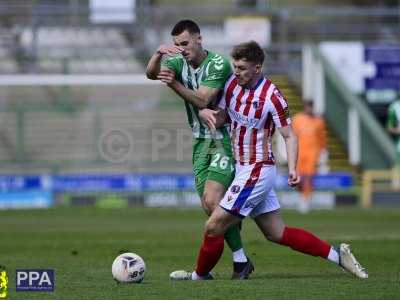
167 189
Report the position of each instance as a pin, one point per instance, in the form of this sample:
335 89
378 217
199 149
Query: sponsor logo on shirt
246 121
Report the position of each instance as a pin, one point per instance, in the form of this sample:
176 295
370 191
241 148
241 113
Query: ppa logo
41 280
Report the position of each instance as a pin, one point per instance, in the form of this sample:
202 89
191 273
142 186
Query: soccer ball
128 268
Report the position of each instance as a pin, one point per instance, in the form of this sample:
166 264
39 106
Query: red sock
210 252
300 240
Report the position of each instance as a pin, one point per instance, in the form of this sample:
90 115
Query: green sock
233 239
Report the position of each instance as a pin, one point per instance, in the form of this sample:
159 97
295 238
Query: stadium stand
82 50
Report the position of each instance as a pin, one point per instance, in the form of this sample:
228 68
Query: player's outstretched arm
200 98
213 118
291 150
154 65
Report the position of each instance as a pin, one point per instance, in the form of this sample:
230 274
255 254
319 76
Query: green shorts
212 160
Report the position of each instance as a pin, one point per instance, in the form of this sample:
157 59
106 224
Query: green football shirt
393 120
213 72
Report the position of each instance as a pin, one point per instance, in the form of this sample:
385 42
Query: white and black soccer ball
128 268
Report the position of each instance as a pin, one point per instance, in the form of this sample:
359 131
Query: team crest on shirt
235 189
255 104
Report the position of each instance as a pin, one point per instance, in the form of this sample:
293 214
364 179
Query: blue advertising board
386 60
25 199
20 182
37 191
165 182
123 183
330 181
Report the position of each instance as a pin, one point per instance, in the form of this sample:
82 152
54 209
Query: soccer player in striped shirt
255 108
198 76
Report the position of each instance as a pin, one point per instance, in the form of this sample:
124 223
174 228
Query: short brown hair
250 51
183 25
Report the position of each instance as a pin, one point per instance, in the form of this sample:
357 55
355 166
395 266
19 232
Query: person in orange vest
311 133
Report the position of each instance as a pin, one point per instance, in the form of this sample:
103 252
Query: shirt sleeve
173 63
222 102
392 119
227 92
280 109
218 72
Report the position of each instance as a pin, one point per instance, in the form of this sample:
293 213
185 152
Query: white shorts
251 192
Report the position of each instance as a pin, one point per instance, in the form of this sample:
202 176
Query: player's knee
213 227
274 236
210 202
205 206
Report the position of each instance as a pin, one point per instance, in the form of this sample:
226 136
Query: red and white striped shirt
254 115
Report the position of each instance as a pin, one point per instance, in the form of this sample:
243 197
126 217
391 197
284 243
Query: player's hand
169 49
167 76
208 117
293 179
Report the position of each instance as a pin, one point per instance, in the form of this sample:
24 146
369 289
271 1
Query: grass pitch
81 243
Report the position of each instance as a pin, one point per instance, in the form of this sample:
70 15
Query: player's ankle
239 256
333 255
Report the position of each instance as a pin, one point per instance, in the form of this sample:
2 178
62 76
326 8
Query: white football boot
350 263
185 275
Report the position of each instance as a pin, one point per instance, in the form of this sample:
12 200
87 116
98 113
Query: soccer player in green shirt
198 76
393 126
